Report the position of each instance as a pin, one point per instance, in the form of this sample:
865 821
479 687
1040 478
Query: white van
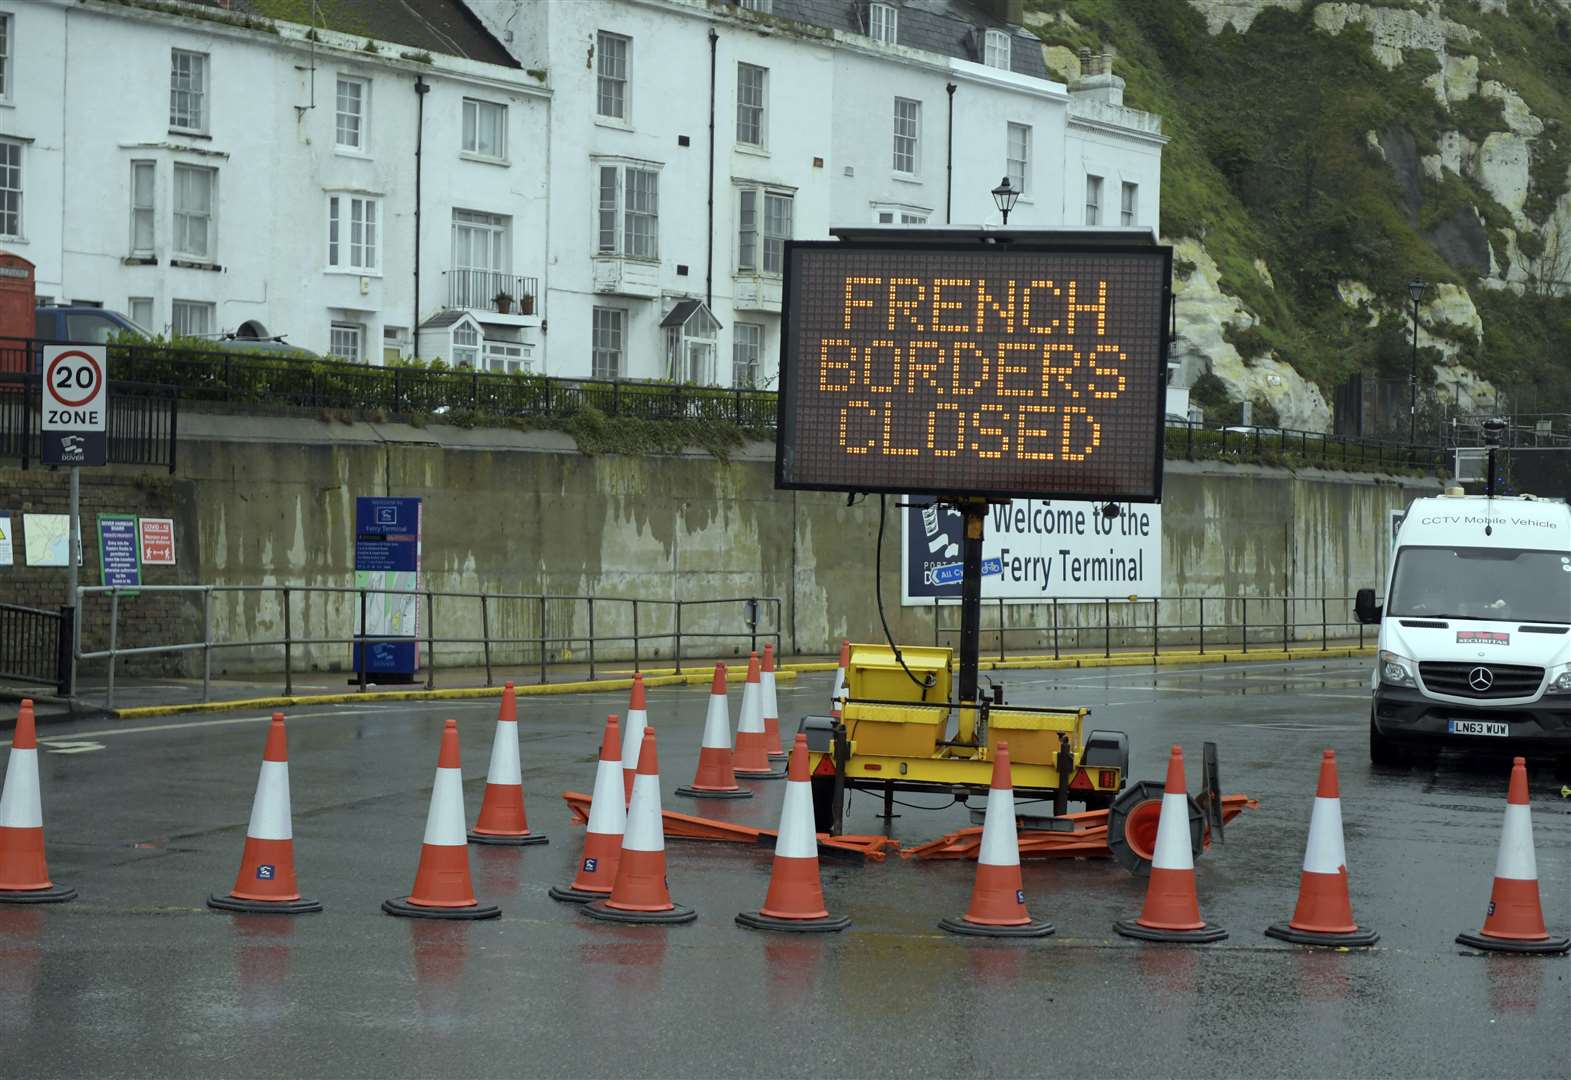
1474 649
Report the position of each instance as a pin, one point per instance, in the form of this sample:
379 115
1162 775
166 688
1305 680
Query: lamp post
1415 289
1004 197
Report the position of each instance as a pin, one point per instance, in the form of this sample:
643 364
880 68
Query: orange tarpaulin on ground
1086 838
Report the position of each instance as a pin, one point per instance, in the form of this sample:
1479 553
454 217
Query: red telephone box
18 299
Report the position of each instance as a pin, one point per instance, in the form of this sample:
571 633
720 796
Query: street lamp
1004 197
1416 289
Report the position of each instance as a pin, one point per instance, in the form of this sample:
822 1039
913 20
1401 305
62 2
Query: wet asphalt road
139 978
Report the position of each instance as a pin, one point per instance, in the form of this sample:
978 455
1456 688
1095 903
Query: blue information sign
387 556
120 557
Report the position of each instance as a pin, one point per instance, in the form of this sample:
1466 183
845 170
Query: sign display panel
974 370
75 405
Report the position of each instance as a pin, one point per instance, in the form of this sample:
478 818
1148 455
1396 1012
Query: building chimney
1097 81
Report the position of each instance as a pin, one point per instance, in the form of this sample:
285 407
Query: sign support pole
975 511
74 545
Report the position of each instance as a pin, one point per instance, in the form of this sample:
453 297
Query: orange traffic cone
752 741
1324 915
998 900
607 823
633 736
1515 922
640 894
840 675
443 889
771 705
24 873
266 881
1172 909
715 778
795 900
502 818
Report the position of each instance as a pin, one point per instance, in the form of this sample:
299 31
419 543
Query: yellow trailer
898 730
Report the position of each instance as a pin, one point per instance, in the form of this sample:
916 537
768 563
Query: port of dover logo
1482 637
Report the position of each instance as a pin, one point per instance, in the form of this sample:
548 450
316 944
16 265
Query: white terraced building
599 188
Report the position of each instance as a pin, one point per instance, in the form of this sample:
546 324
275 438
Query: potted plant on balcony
526 304
503 301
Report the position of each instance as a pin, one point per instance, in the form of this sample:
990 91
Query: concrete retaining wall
271 502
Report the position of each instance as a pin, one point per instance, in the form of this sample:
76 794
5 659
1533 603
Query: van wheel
1383 751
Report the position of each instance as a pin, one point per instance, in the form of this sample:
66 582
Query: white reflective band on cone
645 830
633 737
751 719
20 806
1172 836
270 810
1324 854
717 725
607 815
1516 859
797 839
444 823
771 704
1000 846
504 755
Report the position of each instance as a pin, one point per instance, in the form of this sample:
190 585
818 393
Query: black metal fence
141 426
35 646
1202 442
1200 623
237 378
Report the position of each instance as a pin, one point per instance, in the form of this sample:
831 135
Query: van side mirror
1365 610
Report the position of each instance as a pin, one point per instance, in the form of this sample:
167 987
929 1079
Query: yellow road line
584 686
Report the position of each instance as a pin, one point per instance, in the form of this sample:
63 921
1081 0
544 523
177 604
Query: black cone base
301 906
778 755
1032 929
569 895
757 920
55 894
414 911
1361 937
767 774
508 841
1548 947
600 910
1203 936
702 793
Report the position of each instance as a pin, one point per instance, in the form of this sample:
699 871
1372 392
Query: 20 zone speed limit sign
75 405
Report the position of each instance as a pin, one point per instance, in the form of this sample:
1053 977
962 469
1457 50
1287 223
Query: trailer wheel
823 788
1132 824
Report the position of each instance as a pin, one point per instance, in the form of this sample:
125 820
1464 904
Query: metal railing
141 425
1101 626
237 378
1198 441
35 646
479 290
611 629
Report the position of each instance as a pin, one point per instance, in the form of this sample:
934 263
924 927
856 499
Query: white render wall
276 161
830 144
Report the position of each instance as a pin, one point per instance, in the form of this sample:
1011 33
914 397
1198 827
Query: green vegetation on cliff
1299 147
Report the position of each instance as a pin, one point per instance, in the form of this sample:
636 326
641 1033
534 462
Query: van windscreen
1482 583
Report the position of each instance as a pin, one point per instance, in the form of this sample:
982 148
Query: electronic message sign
979 370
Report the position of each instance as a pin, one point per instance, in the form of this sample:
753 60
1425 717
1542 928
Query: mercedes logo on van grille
1480 679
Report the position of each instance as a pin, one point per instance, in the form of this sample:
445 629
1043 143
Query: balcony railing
483 290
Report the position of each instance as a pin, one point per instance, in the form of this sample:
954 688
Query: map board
46 538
